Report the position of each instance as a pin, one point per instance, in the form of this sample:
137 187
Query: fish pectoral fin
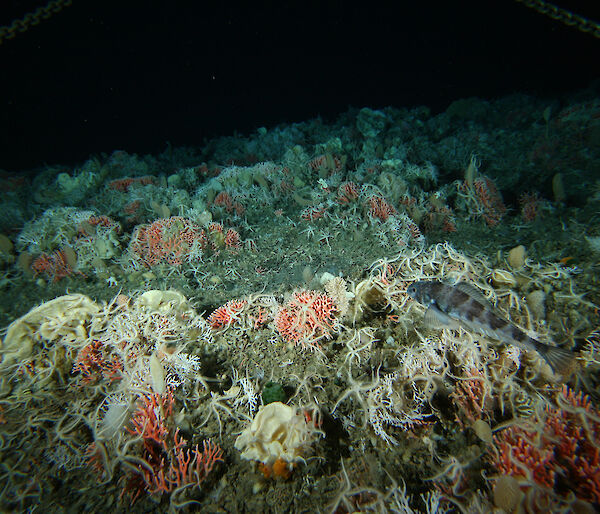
436 319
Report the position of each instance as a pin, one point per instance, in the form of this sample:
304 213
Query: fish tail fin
560 360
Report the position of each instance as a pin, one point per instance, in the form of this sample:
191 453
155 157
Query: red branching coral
530 206
521 456
306 318
185 468
166 465
348 192
470 397
123 184
227 314
232 239
484 200
54 265
490 200
172 240
149 420
95 362
380 208
563 454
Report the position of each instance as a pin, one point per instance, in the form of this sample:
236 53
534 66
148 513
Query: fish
453 306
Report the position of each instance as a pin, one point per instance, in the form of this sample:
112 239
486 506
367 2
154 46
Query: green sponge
273 392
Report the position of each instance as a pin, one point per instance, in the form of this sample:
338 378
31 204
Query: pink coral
227 314
165 465
123 184
380 208
172 240
562 454
490 200
306 318
55 265
95 362
149 420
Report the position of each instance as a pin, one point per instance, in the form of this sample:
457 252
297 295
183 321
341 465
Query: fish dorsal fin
474 293
436 319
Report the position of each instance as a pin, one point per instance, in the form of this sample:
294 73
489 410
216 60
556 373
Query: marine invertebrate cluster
227 314
55 265
141 388
138 373
306 318
91 362
166 466
556 453
172 240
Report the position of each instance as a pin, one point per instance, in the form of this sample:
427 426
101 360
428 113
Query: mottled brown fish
461 304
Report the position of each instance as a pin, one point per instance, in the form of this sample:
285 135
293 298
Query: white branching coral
180 369
387 405
387 402
245 390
